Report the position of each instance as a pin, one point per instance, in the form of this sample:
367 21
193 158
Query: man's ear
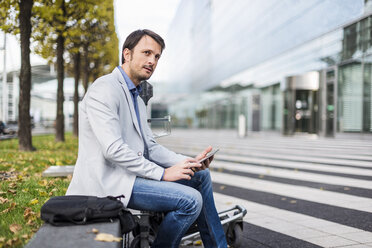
127 54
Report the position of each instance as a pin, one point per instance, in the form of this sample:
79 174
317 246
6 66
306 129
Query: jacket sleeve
102 108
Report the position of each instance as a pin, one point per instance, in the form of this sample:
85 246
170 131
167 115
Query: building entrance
301 104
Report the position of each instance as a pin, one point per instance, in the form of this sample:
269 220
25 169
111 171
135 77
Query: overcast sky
132 15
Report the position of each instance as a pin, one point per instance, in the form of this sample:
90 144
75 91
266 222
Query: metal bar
241 214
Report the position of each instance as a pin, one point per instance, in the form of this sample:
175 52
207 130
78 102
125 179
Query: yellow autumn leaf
34 201
15 228
3 200
43 193
198 242
106 237
59 162
43 182
25 190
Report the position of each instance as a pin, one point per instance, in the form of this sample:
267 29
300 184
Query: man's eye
147 52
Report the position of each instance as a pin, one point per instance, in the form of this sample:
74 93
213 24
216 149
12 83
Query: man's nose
152 60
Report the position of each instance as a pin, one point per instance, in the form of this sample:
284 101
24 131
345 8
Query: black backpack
80 210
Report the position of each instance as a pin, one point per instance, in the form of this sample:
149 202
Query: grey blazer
111 146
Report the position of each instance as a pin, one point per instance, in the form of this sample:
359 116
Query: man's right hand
181 170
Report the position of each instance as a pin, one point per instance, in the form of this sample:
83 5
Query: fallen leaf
3 200
43 193
222 187
220 169
43 182
2 239
30 223
34 201
15 228
12 191
261 176
94 230
198 243
293 201
283 199
25 236
28 213
25 190
2 193
12 185
106 237
12 206
346 188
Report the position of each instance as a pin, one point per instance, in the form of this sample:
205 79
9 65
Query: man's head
141 52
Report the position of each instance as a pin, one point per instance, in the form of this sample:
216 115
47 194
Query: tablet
210 154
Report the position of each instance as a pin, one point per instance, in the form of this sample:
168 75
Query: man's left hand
205 163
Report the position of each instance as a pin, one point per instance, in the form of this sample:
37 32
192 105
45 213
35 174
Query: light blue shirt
135 91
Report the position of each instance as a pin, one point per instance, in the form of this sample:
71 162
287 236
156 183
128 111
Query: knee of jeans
205 175
192 203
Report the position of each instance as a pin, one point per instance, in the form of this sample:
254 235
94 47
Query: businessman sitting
118 154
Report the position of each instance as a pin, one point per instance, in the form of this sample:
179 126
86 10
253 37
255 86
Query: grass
23 190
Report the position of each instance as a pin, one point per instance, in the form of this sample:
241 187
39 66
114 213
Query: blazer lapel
128 96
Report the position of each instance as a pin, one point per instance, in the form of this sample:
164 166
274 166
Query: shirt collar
129 82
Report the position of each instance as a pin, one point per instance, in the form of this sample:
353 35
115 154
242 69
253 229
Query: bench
75 236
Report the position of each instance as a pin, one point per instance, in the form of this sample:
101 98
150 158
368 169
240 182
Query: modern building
289 66
43 105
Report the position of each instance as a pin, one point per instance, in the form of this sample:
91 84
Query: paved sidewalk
300 191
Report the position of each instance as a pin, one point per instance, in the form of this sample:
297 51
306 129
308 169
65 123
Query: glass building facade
289 66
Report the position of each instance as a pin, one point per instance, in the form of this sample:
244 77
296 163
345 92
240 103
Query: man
118 155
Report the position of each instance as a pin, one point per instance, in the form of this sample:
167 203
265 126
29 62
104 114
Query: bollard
242 131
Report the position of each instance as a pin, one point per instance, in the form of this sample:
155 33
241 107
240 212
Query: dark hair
133 39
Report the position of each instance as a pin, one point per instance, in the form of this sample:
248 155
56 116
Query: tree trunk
97 71
86 69
76 93
60 119
24 121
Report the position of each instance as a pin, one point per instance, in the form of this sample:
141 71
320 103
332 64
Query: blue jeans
184 201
